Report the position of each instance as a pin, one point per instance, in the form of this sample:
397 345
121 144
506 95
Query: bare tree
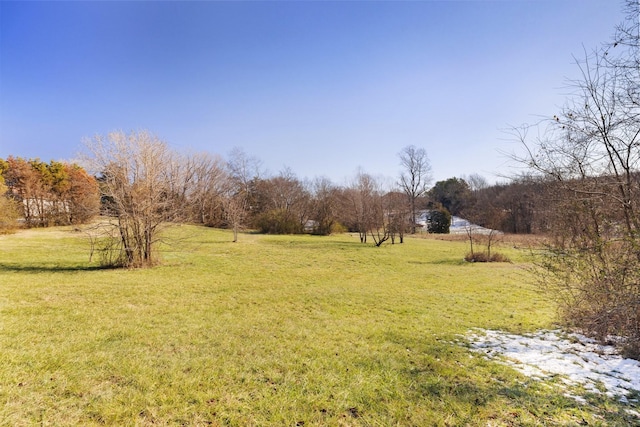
385 221
398 215
476 182
283 203
235 211
203 181
243 170
370 213
324 205
591 149
415 177
134 178
485 220
243 173
359 200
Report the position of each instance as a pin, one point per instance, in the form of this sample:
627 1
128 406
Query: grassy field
272 330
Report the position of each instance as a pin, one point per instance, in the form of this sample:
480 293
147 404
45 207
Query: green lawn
272 330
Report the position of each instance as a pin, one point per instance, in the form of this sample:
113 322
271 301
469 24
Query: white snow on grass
463 226
577 359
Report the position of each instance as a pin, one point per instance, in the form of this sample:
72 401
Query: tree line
140 174
138 181
46 194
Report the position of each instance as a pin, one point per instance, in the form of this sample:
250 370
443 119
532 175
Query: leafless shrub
590 152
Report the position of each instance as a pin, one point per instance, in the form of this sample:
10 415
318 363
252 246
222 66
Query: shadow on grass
474 387
447 261
315 244
50 268
509 402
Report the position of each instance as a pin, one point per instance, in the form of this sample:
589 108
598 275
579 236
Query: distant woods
237 193
45 194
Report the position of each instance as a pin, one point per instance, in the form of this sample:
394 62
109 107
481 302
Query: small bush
498 257
631 350
337 228
485 257
476 257
278 221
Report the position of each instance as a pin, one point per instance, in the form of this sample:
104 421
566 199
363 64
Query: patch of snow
458 225
462 226
577 359
632 412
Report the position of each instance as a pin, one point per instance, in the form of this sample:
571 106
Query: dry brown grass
516 241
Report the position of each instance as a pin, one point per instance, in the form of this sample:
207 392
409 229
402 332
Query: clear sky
321 87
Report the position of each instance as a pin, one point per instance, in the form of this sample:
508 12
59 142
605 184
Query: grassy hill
272 330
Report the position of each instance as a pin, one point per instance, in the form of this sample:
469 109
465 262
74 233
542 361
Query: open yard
272 330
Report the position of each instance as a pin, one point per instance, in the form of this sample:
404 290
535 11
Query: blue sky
323 88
